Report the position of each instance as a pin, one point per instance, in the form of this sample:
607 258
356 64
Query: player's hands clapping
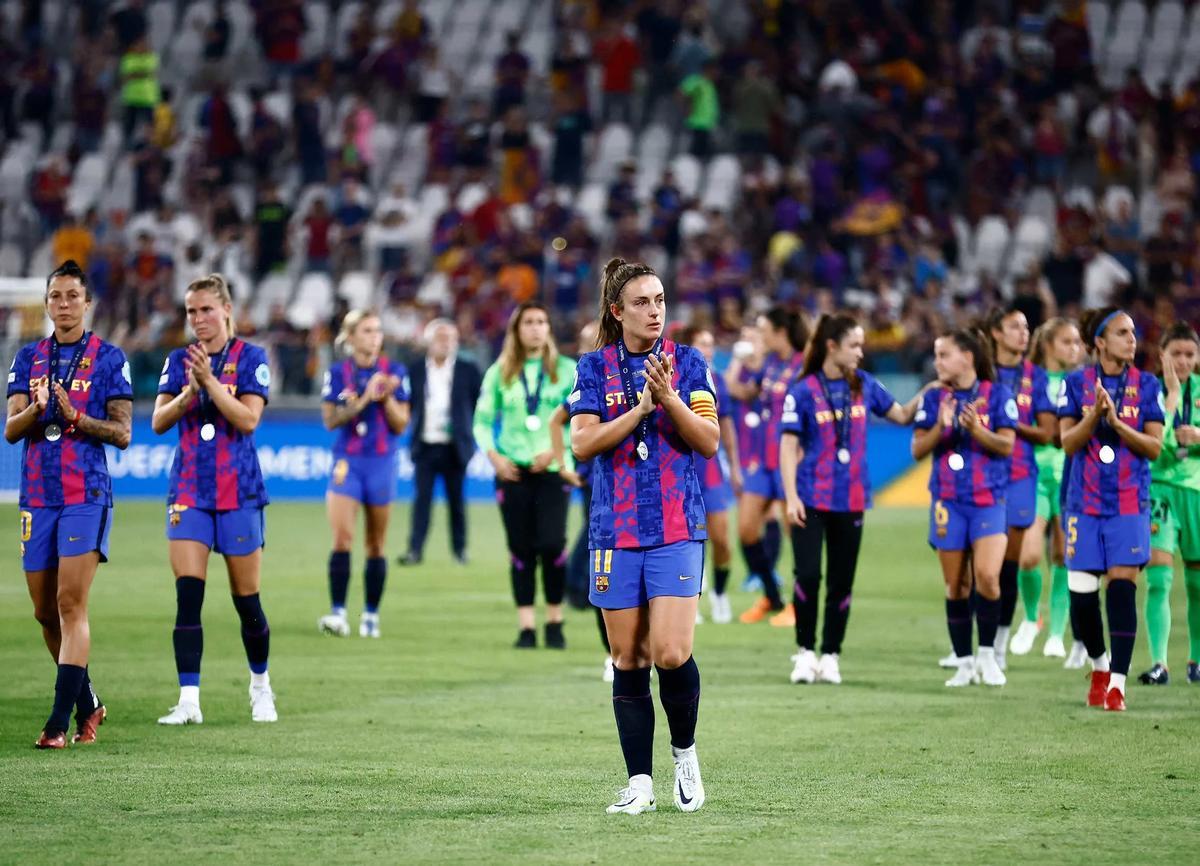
41 397
659 371
379 386
199 367
1103 404
946 410
969 417
68 412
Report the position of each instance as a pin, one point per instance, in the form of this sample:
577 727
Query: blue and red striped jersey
713 471
777 375
1122 486
748 422
983 476
73 470
368 434
643 503
1027 383
816 414
221 474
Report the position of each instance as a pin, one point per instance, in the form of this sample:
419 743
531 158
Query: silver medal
361 428
766 414
956 461
843 455
752 420
53 432
533 423
208 432
1181 454
1107 454
643 451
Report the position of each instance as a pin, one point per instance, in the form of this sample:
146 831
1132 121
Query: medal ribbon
841 427
534 399
69 378
1105 433
208 409
631 394
960 441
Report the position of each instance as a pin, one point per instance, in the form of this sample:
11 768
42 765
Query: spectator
704 110
411 29
474 143
216 46
1050 148
49 193
1112 132
281 26
223 147
619 57
72 241
318 224
306 129
139 86
40 80
518 161
266 137
129 24
89 110
516 281
622 192
512 75
755 102
434 85
270 231
388 239
163 132
350 223
1104 279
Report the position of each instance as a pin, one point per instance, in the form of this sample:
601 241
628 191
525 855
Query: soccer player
784 337
1057 349
1175 506
68 395
1036 423
748 426
644 407
520 393
215 390
968 426
365 399
718 479
1110 417
823 461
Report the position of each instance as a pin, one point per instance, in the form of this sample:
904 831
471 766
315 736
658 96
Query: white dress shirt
439 380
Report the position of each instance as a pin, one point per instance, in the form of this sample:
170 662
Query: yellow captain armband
704 405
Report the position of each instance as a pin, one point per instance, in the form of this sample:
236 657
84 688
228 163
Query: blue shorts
65 530
1022 502
369 480
717 498
229 533
630 577
954 526
1097 544
767 483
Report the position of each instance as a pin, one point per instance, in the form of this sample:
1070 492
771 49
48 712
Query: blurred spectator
306 129
755 102
518 159
1112 132
216 46
129 24
571 126
350 223
619 58
512 74
139 86
704 110
40 81
434 85
89 108
318 224
270 231
72 241
1104 279
281 25
49 193
266 137
163 131
475 134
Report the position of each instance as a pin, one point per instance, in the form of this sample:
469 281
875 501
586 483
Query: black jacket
464 393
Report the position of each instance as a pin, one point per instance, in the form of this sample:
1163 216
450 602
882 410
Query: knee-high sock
1030 580
1087 622
773 539
189 634
958 621
679 691
1060 601
987 612
374 578
720 579
256 633
760 565
554 575
88 701
1121 602
66 692
634 709
1158 611
522 565
339 578
1191 580
1008 592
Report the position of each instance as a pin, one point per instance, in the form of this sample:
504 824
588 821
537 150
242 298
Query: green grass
440 743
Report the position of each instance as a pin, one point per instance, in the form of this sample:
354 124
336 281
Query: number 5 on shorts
26 525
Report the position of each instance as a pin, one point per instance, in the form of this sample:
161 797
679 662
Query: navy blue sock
189 634
773 539
634 709
88 701
987 611
375 576
958 621
1009 591
679 691
339 577
720 579
1121 603
1087 621
760 564
256 634
66 692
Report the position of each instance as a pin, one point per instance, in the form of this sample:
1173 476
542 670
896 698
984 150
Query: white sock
675 753
1100 663
189 695
1001 636
338 611
1117 681
642 783
987 651
260 681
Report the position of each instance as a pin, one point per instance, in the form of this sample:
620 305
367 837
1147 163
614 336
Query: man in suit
445 389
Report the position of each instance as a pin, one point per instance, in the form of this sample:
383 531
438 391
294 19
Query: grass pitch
440 743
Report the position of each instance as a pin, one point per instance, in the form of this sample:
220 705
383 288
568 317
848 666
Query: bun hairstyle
216 284
1178 331
70 268
1093 324
1044 336
977 343
830 327
617 273
793 323
350 323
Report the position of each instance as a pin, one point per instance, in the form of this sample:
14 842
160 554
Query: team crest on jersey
85 363
229 369
262 375
601 583
175 513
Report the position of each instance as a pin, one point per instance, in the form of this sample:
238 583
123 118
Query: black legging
534 509
842 531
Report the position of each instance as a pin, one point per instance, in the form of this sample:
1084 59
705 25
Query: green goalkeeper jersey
523 434
1050 458
1177 465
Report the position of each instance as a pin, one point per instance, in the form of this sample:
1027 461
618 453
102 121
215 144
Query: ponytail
1044 336
617 273
830 327
976 342
793 323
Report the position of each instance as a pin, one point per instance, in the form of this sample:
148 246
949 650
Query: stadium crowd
913 162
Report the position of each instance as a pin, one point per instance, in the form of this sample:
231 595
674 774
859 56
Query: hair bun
614 264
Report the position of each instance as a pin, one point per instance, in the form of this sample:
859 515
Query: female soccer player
68 395
644 407
1110 418
365 399
968 426
784 336
1057 349
1175 506
520 392
215 390
718 479
823 461
1036 423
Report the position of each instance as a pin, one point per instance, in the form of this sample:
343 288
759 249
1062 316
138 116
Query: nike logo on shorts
77 537
685 577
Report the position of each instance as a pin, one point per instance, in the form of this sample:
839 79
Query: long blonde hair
350 322
617 273
216 284
1044 336
512 356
